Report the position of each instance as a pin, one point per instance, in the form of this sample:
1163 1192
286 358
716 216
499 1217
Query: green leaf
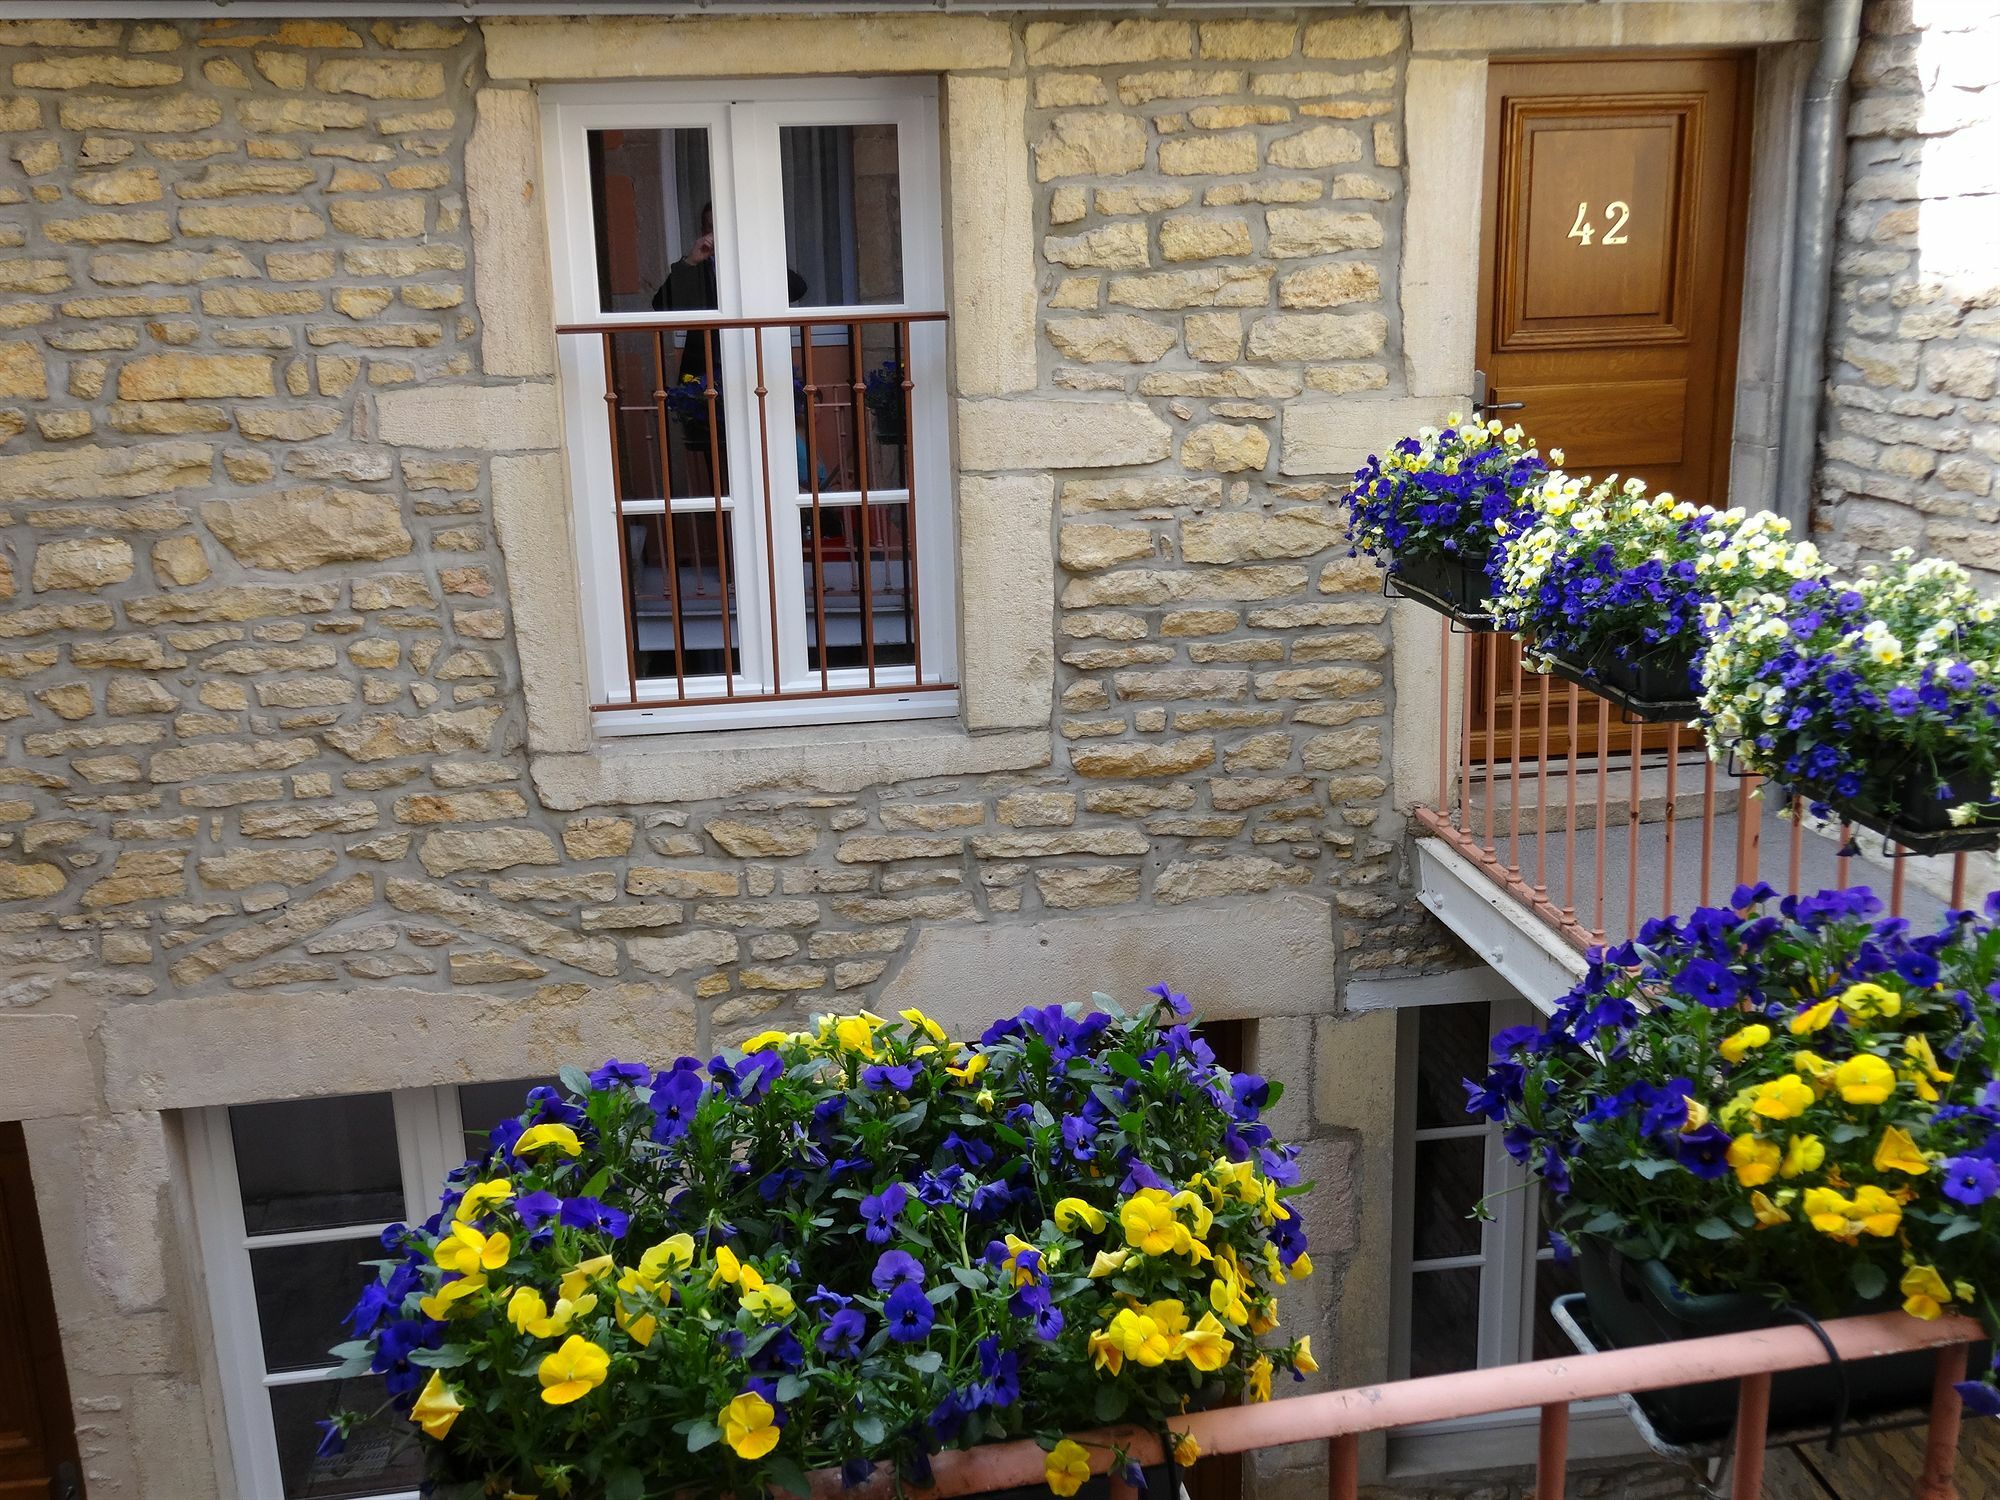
926 1363
1713 1228
1124 1064
785 1474
574 1078
1603 1223
599 1180
703 1435
1277 1093
1846 1131
1650 1167
1869 1279
971 1277
450 1357
353 1349
625 1484
870 1430
1958 1226
1111 1402
791 1387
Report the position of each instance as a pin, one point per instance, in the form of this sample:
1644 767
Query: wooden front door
37 1437
1611 279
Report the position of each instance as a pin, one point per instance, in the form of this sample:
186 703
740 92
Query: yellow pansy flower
1225 1295
1257 1386
576 1281
1768 1214
479 1196
764 1040
1755 1161
1865 1000
444 1301
1697 1116
924 1024
1302 1357
1105 1353
1206 1346
1070 1212
1743 1040
768 1300
1139 1338
531 1315
573 1371
1814 1018
728 1269
1865 1079
468 1251
674 1253
857 1033
1066 1467
1918 1050
1203 1219
1170 1315
1924 1292
1784 1098
535 1137
1302 1267
1108 1262
1186 1449
1811 1065
970 1069
1803 1153
437 1406
1898 1153
749 1425
1147 1218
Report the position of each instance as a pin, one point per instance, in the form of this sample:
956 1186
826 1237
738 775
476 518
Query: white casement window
749 282
290 1198
1472 1293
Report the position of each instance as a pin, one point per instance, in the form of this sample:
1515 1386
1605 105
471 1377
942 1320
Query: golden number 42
1585 233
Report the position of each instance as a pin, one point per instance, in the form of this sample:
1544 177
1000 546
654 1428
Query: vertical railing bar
1514 781
1939 1480
819 530
673 563
1542 797
1673 803
630 605
1753 1411
1343 1467
770 522
1465 737
1842 859
1798 842
1708 824
1749 829
1492 736
1603 807
1444 716
1552 1451
1958 871
912 610
1632 838
861 477
710 392
1569 821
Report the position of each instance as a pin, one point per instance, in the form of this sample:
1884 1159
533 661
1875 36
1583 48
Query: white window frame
429 1143
1510 1249
743 120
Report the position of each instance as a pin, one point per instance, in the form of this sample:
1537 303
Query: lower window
290 1198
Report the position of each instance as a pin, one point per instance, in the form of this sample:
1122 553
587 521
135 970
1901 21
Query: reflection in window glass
653 203
481 1106
1451 1047
303 1291
683 610
833 416
1450 1179
317 1163
843 214
379 1458
1444 1321
1552 1281
886 617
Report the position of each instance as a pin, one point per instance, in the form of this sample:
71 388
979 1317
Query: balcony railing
766 537
1595 822
1340 1418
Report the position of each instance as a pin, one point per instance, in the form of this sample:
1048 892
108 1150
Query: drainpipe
1821 179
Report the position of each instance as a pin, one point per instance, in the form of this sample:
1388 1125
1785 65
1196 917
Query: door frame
1444 113
24 1258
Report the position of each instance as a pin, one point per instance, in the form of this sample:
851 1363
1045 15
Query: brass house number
1618 212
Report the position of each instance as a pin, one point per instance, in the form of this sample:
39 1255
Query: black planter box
1637 1302
1458 589
1657 690
1907 812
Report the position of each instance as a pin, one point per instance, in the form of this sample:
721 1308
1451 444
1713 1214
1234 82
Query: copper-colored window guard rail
1533 854
816 390
1340 1418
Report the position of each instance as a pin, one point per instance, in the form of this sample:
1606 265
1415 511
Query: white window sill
818 757
862 708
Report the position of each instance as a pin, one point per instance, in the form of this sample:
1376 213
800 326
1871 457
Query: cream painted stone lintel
201 1050
550 48
45 1068
1337 436
992 249
510 251
1577 24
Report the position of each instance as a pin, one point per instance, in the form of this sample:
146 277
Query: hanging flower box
1765 1110
1878 699
864 1242
1657 689
1435 507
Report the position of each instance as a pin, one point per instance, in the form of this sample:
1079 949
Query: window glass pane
653 211
842 576
317 1163
843 214
1451 1177
481 1106
1444 1321
379 1458
1552 1281
683 594
849 439
669 422
303 1291
1451 1047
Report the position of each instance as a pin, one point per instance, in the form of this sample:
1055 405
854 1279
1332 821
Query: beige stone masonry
742 46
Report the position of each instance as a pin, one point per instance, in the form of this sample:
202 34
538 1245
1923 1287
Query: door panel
1610 284
37 1437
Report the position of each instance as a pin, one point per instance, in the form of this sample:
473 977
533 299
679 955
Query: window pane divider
279 1238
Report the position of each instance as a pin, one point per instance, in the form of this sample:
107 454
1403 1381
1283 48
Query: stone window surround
1444 110
1006 590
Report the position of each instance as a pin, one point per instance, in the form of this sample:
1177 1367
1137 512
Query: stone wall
1912 438
268 819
